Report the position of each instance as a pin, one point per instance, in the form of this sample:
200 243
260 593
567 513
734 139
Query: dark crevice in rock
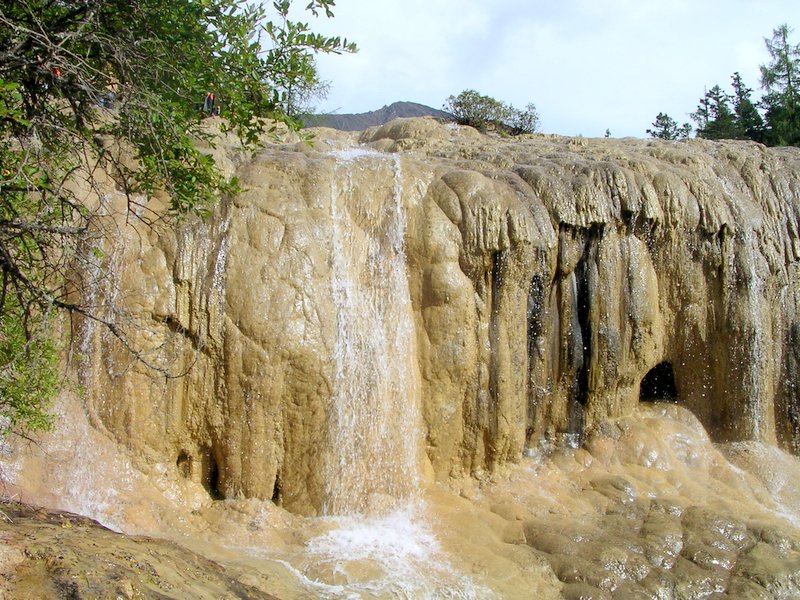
787 405
583 333
496 283
184 463
659 384
583 305
211 475
535 309
276 490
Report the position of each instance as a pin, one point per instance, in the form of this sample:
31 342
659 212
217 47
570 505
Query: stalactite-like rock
547 277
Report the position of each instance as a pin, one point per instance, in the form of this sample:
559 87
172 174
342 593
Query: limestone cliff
551 283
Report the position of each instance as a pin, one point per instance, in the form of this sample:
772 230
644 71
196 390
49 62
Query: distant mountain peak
362 121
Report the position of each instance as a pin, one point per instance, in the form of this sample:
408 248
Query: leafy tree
476 110
523 121
781 80
482 112
28 373
113 86
666 128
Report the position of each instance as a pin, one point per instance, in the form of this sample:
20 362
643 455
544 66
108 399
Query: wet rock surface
554 283
694 526
630 514
50 554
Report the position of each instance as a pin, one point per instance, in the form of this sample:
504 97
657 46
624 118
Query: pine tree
714 117
781 80
750 122
702 115
666 128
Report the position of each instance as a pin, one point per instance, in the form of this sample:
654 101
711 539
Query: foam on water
350 154
397 535
778 471
83 481
394 555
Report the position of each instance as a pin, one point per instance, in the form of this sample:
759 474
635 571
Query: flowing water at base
396 554
646 508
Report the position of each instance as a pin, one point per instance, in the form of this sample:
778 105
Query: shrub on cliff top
483 112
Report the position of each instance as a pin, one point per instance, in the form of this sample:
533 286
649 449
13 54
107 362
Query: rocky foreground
53 554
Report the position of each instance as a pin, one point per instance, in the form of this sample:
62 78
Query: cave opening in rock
659 384
211 476
184 464
276 490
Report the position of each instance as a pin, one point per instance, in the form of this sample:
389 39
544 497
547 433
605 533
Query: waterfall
380 544
757 367
374 418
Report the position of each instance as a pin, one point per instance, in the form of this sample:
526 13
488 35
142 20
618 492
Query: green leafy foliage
116 87
28 370
76 72
483 112
523 120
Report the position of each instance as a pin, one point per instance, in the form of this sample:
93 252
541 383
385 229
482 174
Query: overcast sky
587 65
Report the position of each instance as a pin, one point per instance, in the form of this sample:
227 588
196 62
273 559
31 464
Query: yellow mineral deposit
423 362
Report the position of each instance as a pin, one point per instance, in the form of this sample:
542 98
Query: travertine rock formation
552 283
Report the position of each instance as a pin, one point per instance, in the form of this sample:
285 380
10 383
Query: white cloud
587 65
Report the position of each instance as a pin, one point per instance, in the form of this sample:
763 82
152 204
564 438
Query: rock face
47 554
549 284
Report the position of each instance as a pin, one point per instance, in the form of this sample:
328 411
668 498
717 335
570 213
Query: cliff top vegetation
773 120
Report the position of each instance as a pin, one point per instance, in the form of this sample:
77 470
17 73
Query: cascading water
758 368
754 353
374 419
374 424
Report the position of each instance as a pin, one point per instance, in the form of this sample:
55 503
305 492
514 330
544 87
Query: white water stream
374 416
380 543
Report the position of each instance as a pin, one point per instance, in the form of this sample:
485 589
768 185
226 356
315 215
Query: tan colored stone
546 278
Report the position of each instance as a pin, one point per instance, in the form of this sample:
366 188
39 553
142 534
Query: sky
588 65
